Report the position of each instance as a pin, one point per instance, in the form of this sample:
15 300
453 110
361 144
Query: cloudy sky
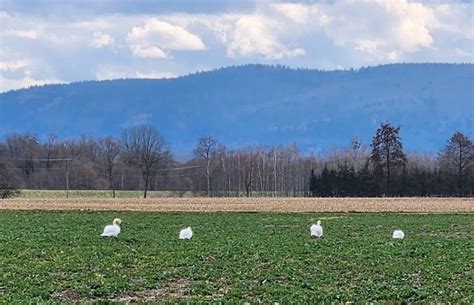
48 41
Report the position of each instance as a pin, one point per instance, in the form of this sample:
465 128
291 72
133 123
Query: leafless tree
254 171
23 147
207 150
109 151
457 159
7 188
248 168
146 149
222 156
50 145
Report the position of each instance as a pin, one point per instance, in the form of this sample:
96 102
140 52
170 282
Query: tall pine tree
387 154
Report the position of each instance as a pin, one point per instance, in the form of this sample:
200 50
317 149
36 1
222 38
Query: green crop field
244 257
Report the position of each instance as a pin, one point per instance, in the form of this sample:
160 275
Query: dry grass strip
414 205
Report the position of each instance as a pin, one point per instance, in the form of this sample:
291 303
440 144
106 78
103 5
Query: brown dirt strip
411 205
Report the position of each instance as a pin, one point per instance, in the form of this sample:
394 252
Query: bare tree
275 166
50 149
7 189
252 171
207 150
109 151
222 156
387 152
457 159
146 149
23 148
247 170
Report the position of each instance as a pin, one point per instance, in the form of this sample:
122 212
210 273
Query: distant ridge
258 105
250 66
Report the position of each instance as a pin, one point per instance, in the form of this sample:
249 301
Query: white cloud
328 33
30 34
411 25
93 24
148 52
26 80
457 20
255 35
7 84
4 15
463 53
13 65
15 28
296 12
155 75
156 36
101 40
107 73
20 72
383 30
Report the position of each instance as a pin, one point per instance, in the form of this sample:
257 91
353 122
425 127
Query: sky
59 41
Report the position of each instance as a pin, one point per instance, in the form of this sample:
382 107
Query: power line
162 176
40 168
179 168
183 175
38 160
71 159
101 173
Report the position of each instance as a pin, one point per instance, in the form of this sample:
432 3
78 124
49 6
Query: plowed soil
414 205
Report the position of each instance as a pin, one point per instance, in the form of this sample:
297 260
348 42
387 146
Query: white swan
316 230
186 233
112 230
398 234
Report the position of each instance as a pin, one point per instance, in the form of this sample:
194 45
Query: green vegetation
251 257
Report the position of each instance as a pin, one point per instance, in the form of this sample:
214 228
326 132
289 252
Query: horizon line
352 69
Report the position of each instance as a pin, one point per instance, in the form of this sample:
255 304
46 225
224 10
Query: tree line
141 160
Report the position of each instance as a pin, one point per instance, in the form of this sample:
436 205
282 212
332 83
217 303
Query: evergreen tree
326 182
387 154
366 183
346 181
313 184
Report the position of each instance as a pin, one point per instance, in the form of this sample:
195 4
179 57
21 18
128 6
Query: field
268 257
418 205
51 250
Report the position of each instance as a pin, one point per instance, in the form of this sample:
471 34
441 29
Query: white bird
398 234
112 230
186 233
316 230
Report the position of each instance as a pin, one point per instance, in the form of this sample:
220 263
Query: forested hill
256 104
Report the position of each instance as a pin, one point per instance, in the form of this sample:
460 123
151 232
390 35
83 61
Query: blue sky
65 41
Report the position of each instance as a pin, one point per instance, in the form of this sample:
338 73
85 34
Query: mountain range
258 105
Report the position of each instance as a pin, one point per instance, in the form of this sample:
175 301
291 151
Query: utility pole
48 160
67 179
274 174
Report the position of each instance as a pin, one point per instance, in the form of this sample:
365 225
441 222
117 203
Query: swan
398 234
112 230
186 233
316 230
